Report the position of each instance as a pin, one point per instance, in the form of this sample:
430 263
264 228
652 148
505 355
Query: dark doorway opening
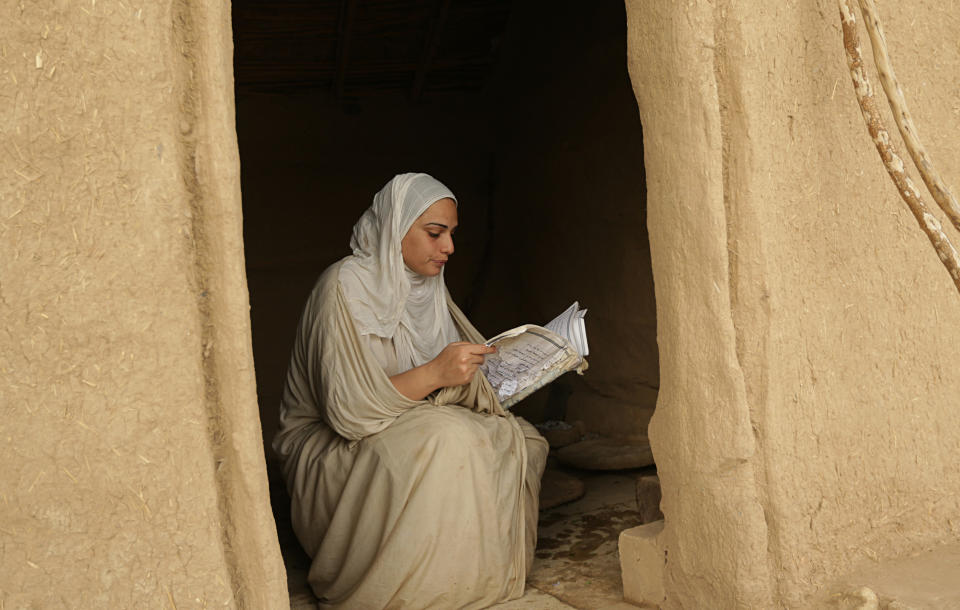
524 109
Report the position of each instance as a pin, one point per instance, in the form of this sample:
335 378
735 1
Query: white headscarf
384 297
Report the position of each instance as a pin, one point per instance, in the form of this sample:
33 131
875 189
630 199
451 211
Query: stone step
607 454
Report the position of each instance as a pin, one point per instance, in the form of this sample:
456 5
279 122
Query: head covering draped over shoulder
384 297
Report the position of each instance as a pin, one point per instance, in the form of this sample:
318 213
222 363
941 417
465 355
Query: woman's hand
455 365
458 363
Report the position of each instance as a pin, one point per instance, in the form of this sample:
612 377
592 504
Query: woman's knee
431 431
443 428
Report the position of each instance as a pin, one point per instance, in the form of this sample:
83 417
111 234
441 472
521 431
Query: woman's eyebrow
437 224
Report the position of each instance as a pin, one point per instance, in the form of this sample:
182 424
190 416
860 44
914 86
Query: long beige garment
402 503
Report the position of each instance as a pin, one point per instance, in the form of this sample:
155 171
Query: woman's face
429 242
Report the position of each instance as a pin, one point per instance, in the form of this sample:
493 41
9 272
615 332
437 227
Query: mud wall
804 425
132 467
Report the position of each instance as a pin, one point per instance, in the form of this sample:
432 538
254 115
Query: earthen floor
929 580
576 565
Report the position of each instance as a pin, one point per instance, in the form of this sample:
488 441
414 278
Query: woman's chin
428 270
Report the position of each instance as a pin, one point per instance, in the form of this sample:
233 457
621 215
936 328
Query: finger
470 360
480 348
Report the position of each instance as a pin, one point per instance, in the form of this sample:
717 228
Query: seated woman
410 485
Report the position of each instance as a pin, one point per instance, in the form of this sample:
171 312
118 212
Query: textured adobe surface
805 423
641 562
805 420
133 472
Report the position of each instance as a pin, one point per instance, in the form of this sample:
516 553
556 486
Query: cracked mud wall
133 469
805 424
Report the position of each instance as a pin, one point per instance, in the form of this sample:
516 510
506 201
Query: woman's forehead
443 211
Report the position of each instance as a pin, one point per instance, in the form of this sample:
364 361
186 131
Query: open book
529 357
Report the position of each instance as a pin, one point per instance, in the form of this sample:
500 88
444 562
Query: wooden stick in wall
901 114
888 153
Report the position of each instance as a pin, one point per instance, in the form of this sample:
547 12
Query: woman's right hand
455 365
458 362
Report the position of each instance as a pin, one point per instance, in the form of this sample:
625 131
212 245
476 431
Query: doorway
526 114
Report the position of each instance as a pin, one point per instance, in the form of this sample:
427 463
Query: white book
571 326
529 357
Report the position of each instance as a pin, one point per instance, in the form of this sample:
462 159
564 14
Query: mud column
807 410
133 466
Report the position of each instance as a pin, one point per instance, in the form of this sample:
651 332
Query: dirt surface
576 559
928 580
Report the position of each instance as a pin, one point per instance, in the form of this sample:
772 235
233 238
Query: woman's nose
447 246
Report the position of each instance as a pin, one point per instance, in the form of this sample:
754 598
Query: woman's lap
429 512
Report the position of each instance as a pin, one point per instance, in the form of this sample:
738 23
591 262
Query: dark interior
525 110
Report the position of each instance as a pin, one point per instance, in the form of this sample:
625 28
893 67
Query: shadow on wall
547 162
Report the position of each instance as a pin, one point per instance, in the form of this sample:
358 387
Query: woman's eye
433 235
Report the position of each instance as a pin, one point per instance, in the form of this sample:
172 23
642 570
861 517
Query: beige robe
402 503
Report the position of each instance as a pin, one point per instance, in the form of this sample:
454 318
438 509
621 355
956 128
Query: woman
410 485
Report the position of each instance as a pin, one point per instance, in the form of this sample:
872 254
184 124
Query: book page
520 362
570 325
